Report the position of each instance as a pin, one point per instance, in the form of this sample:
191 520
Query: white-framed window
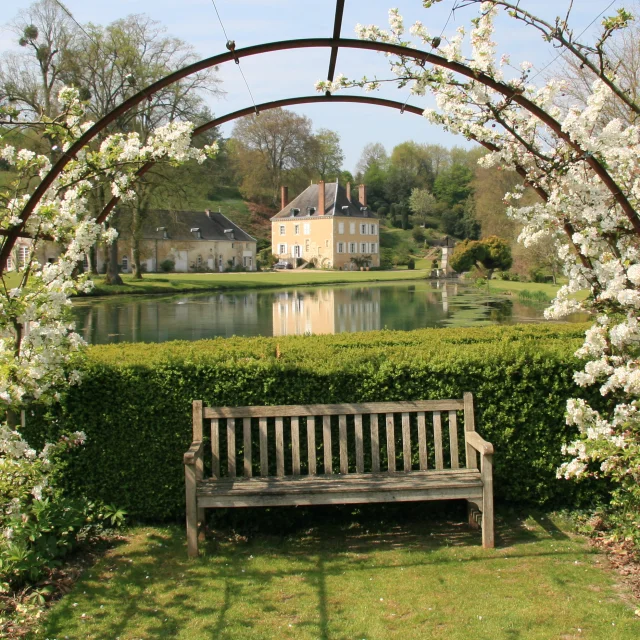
23 255
341 227
296 229
247 261
85 262
363 229
282 249
374 229
352 228
353 247
363 247
374 247
340 247
306 228
199 261
233 245
297 251
125 263
283 230
307 245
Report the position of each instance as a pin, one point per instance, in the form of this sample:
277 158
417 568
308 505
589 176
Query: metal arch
266 106
406 52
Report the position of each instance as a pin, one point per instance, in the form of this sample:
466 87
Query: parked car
282 265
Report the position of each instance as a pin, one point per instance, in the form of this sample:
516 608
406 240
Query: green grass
424 576
181 282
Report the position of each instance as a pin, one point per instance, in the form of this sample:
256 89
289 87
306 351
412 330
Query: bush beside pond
135 401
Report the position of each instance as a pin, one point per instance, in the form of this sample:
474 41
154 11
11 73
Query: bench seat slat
289 411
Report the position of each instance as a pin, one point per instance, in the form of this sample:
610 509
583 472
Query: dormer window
311 210
230 234
196 231
165 233
294 212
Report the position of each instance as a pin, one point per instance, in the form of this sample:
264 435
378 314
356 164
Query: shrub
411 264
521 377
167 266
39 522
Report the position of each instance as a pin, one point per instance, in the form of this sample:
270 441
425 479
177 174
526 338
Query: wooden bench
429 471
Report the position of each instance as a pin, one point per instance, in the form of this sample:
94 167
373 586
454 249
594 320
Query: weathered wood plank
375 444
197 420
231 447
215 448
344 459
198 425
246 442
295 446
437 439
422 440
279 447
391 444
311 445
453 440
288 411
264 453
326 443
359 444
192 510
469 425
488 541
406 441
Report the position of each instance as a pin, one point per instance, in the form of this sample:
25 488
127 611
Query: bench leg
192 511
473 514
488 541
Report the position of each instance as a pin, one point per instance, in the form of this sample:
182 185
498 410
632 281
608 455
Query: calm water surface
297 311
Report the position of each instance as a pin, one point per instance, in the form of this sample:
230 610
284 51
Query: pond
307 310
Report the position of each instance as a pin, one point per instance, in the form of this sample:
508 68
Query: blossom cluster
588 178
38 343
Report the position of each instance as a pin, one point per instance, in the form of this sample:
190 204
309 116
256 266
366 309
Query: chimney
284 197
349 192
321 205
363 195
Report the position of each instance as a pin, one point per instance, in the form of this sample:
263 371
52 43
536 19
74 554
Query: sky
293 73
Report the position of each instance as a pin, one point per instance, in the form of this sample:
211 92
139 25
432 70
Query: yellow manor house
326 226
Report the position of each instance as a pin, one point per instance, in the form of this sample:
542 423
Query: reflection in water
322 310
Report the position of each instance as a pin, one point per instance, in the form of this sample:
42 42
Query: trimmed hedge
135 401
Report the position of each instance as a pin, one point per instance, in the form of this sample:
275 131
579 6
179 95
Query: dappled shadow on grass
151 589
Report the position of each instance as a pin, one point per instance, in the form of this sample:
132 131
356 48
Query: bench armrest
478 443
194 453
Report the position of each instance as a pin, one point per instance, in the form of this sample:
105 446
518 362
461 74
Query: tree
422 205
497 255
324 155
31 79
268 147
373 153
139 53
467 254
453 184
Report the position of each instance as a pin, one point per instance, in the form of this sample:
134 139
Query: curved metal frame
406 52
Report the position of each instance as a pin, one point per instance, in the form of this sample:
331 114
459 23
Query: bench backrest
376 437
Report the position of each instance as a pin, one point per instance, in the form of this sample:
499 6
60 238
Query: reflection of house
326 311
191 240
326 225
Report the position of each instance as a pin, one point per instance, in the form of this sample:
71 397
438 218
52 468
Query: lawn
353 577
179 282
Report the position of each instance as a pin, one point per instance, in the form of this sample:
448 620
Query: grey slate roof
178 225
335 197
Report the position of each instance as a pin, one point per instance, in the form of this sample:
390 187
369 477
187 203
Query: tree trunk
489 274
113 277
135 239
93 260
